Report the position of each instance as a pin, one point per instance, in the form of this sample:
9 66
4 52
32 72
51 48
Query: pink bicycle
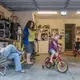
58 62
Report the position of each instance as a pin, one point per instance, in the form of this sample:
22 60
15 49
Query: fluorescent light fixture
63 13
78 12
47 12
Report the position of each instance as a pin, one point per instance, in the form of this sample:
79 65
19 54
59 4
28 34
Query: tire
48 63
47 59
53 64
75 54
62 68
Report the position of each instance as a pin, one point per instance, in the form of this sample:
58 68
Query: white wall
59 24
6 12
54 23
24 16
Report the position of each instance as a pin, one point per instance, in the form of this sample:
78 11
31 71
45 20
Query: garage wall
24 16
59 24
6 12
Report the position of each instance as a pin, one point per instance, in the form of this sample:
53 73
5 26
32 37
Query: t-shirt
31 36
53 44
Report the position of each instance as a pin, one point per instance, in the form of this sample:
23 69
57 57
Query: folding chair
3 64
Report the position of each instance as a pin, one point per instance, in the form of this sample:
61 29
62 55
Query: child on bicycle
77 44
54 46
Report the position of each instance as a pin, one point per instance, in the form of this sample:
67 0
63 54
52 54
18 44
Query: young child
54 47
77 44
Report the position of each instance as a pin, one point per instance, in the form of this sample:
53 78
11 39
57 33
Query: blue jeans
12 53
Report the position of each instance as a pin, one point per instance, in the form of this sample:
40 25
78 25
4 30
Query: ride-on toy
76 49
76 52
58 62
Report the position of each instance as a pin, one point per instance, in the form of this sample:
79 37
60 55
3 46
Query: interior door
69 36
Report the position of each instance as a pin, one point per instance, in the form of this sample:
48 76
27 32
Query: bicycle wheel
48 63
47 59
62 66
74 53
53 64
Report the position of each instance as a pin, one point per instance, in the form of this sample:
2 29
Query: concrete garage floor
37 73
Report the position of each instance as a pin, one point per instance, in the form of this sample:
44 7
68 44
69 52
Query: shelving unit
6 41
5 29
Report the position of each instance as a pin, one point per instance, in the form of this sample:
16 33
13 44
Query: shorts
29 48
52 51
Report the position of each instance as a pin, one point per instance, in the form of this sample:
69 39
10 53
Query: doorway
69 36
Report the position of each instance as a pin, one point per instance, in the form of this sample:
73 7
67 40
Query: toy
19 34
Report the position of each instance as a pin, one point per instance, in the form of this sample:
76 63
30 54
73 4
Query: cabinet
43 47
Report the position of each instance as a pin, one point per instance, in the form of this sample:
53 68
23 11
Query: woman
28 40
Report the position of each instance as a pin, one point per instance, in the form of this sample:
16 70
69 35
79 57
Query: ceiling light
47 12
78 12
63 13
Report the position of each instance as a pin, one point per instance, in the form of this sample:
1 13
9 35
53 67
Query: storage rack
5 29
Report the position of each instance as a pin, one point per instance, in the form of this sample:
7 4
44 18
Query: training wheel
42 66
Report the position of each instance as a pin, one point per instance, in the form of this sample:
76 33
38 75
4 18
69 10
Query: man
11 52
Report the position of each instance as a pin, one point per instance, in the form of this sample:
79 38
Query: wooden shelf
7 39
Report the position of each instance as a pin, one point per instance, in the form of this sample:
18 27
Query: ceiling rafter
41 4
66 4
36 5
1 3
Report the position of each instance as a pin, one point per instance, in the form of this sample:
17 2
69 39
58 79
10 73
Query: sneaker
22 71
29 62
